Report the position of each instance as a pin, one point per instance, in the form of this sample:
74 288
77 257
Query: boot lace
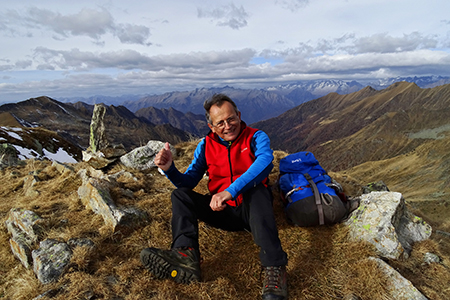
272 277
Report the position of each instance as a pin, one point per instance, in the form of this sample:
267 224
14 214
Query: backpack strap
290 193
317 197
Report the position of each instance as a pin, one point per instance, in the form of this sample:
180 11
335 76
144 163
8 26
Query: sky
61 48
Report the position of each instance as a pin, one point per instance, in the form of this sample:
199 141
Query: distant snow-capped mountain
97 99
319 87
298 92
422 81
258 104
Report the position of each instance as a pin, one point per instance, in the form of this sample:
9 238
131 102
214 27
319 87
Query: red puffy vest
227 163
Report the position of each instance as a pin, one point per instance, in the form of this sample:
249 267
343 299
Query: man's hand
164 158
218 200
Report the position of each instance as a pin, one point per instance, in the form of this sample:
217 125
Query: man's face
225 122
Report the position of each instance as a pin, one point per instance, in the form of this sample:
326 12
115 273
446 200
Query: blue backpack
309 195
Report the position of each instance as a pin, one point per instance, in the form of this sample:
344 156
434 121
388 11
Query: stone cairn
100 153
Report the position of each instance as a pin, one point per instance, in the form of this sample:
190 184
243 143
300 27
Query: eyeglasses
230 121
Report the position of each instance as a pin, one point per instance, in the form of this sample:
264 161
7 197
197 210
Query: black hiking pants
255 214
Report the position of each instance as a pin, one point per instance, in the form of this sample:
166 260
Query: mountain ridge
272 100
72 122
254 104
357 124
190 122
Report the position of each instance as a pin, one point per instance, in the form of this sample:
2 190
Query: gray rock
113 151
96 160
431 258
125 174
29 186
383 220
94 194
8 155
62 168
377 186
26 221
51 260
25 228
80 242
142 158
398 287
97 140
100 153
21 248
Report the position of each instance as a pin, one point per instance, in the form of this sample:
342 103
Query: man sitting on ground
238 160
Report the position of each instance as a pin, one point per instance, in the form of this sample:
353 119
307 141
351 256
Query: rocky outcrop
383 220
398 287
51 260
24 221
95 194
25 229
142 158
8 155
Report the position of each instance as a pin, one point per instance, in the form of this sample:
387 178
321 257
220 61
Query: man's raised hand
164 158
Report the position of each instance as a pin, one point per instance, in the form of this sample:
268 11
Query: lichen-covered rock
21 248
26 221
383 220
50 260
98 139
8 155
142 158
25 228
100 153
398 287
377 186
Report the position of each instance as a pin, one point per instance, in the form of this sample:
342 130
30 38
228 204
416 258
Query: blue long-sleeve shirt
260 169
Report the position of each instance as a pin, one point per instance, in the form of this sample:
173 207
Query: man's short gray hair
217 99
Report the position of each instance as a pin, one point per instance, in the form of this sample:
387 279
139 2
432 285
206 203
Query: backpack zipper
229 161
231 168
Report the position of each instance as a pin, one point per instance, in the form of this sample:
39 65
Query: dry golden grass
323 263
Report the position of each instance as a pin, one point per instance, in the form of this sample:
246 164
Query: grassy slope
323 263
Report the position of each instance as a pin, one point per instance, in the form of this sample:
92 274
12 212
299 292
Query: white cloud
88 22
92 23
131 59
66 48
292 5
351 44
133 34
384 43
227 15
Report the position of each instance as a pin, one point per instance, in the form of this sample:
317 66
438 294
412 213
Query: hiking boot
179 264
274 283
